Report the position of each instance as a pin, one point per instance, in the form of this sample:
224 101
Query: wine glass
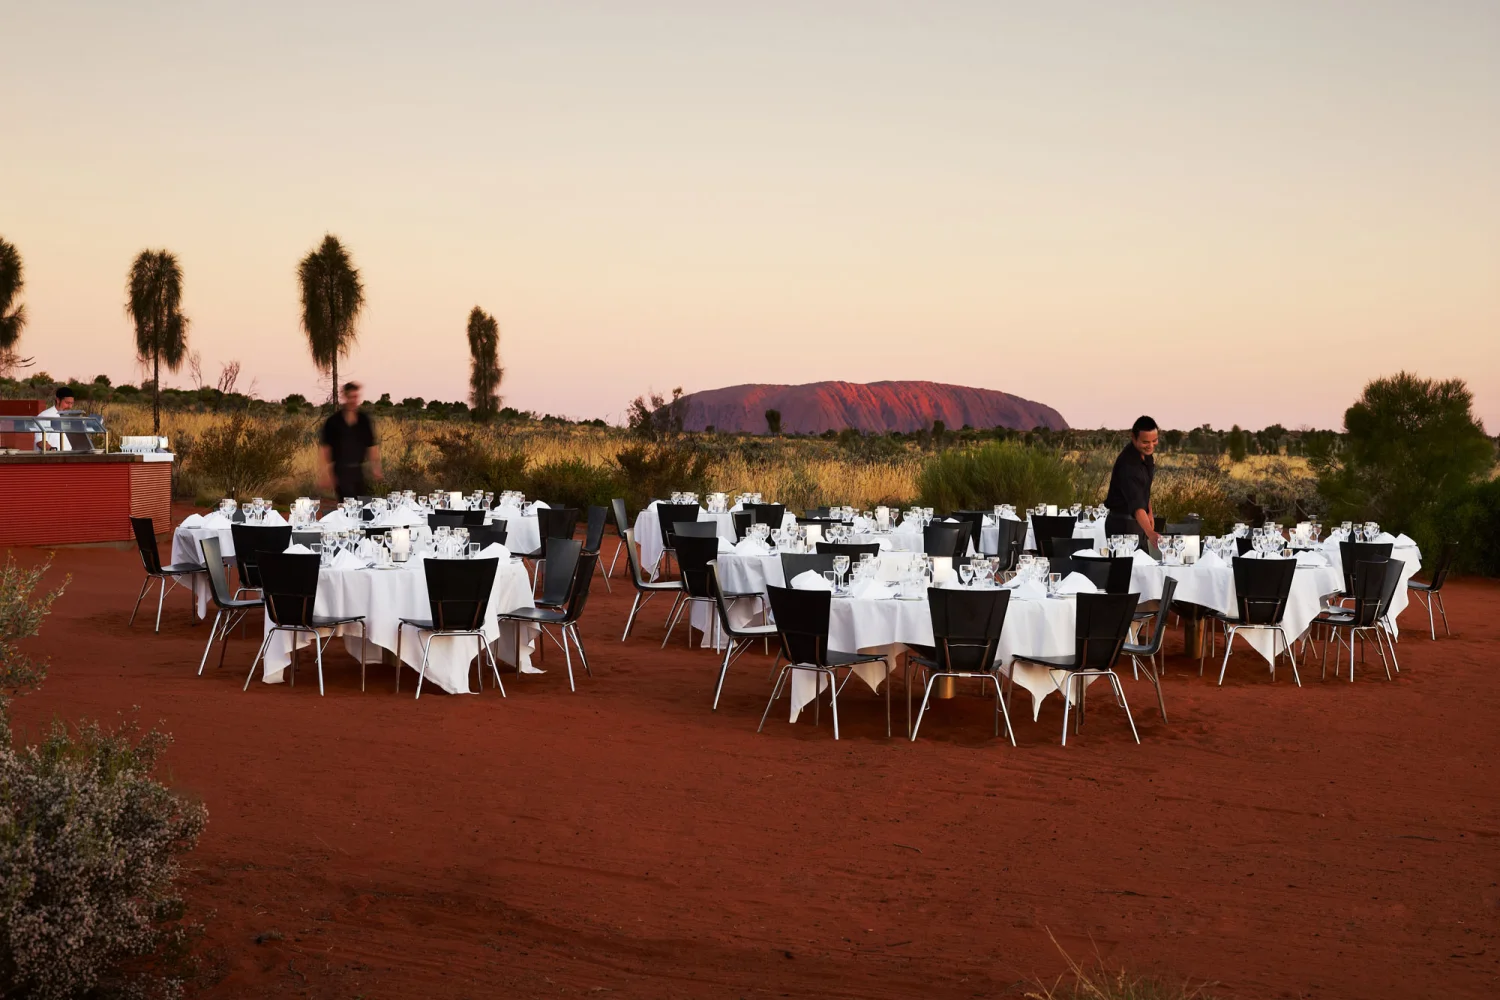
1054 580
966 574
832 578
841 565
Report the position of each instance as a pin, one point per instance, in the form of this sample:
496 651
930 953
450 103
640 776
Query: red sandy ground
1334 841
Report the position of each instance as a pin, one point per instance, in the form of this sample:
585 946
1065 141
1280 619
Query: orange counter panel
82 499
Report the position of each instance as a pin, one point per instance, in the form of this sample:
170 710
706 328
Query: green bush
573 483
652 471
996 472
1177 493
469 459
1472 519
241 457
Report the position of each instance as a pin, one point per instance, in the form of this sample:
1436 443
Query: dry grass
1098 981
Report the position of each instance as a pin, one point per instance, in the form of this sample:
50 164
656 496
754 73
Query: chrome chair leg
422 673
723 671
160 598
1120 693
926 694
146 585
207 648
494 668
568 658
775 693
1443 610
578 645
259 653
1228 642
672 617
318 647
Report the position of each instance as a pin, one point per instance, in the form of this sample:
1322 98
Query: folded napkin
215 520
346 560
950 520
1077 583
726 547
1210 560
544 505
273 517
337 520
872 590
751 547
192 521
299 550
1029 590
404 517
1403 540
810 580
1311 559
495 550
1011 517
1385 537
1140 558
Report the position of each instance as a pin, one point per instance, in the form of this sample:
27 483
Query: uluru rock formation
876 406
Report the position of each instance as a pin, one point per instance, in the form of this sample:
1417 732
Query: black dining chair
557 572
695 529
1433 589
1152 647
739 637
307 538
1102 626
945 540
794 564
489 534
454 518
768 513
1368 594
458 598
229 609
595 519
742 520
1109 573
644 589
693 556
1010 537
1068 546
966 626
145 541
802 625
1353 553
249 541
668 517
1046 527
552 523
564 619
622 525
289 583
854 550
1261 588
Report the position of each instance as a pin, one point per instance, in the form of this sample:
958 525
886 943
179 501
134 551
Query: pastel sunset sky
1215 211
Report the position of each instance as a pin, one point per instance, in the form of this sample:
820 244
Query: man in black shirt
347 442
1129 496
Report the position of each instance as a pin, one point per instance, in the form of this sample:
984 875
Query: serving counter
60 497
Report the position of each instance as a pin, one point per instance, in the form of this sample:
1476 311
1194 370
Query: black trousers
349 482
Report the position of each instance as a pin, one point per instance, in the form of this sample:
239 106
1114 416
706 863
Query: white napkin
726 547
495 550
1311 559
751 547
1404 539
215 520
273 517
402 518
893 565
1210 560
1029 590
1386 537
192 521
1011 517
810 580
950 520
872 590
1077 583
544 505
337 520
346 560
299 550
1140 558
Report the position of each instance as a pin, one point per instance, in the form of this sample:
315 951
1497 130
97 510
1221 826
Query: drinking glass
1054 580
841 565
966 574
832 578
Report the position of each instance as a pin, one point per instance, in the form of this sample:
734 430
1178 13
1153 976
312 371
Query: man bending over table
1129 496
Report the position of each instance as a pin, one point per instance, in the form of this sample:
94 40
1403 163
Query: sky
1211 211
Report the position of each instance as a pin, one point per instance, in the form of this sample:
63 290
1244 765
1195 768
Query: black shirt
1130 483
348 443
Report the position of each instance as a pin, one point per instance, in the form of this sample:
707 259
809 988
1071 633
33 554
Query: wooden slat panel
151 493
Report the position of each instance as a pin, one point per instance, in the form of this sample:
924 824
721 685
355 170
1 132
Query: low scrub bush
1178 493
997 472
573 483
21 617
652 471
243 456
1472 519
470 459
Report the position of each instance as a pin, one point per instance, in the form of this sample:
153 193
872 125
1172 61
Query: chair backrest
693 556
1062 565
1068 546
975 520
1393 570
802 623
583 576
632 556
1261 587
289 581
742 520
447 518
721 606
213 559
308 538
1011 536
556 522
1243 544
948 540
386 530
489 534
1192 525
557 576
458 591
1102 626
622 516
1110 574
250 540
593 532
966 627
1367 588
695 529
1044 528
669 515
1159 620
794 564
145 540
1358 552
1444 564
768 513
851 549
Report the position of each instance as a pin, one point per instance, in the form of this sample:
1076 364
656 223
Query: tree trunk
335 389
156 392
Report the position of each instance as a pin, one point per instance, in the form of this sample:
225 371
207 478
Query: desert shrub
88 860
471 459
573 483
1412 446
995 472
649 472
21 617
242 456
1472 518
1091 472
1179 492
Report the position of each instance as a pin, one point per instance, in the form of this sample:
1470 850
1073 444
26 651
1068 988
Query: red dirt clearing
1334 841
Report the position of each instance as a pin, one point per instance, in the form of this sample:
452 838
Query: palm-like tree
155 306
485 372
12 316
332 299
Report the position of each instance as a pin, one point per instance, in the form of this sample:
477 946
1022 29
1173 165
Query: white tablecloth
648 532
1092 530
521 531
386 596
186 548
